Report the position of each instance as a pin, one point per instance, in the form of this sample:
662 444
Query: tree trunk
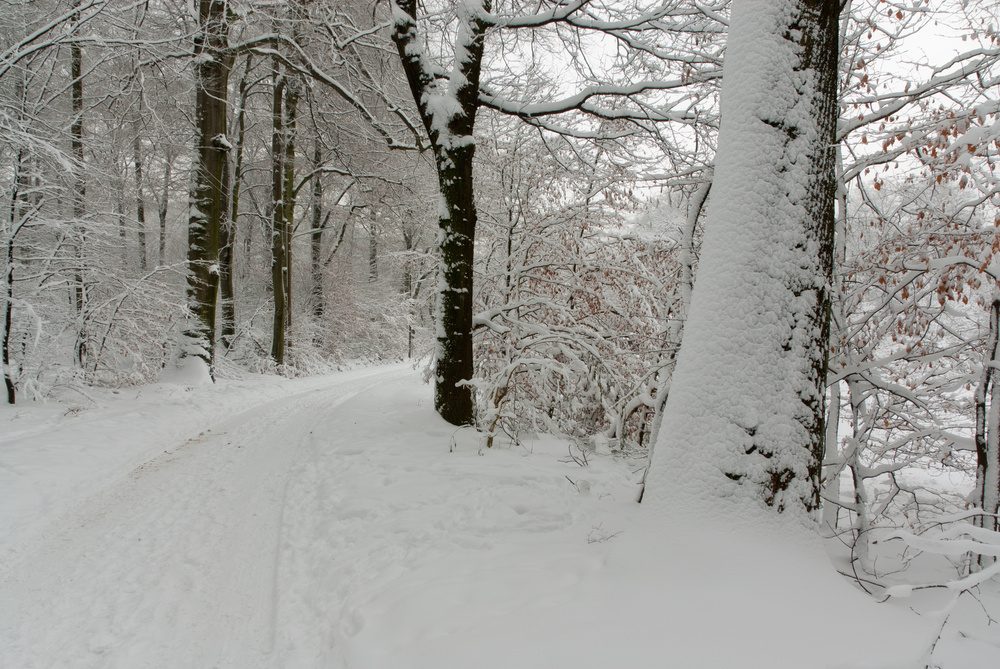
675 328
288 198
277 219
231 230
833 459
79 196
8 275
986 494
19 182
211 161
119 188
162 210
860 427
454 148
746 409
316 240
140 205
226 235
372 253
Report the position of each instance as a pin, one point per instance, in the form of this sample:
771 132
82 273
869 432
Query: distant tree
446 88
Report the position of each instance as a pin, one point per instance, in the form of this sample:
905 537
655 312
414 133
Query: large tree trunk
277 219
746 410
454 148
79 197
211 162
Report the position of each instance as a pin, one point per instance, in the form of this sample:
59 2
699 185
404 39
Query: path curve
179 564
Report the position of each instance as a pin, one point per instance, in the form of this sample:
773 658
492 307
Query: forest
553 205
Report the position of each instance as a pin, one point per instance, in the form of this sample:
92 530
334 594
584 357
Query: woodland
519 192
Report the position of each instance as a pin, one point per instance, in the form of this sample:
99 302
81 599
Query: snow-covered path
339 523
259 542
178 564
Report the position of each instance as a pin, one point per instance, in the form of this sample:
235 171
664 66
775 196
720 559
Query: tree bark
372 252
288 198
986 494
79 195
211 162
8 275
277 218
227 329
316 239
746 410
454 148
162 210
229 308
140 201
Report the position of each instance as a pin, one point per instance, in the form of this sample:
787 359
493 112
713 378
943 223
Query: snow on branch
959 539
581 101
303 64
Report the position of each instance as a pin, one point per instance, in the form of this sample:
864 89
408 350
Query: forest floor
336 522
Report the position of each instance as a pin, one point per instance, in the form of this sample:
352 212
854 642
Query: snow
338 522
740 412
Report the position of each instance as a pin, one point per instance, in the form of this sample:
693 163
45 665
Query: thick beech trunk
746 410
208 193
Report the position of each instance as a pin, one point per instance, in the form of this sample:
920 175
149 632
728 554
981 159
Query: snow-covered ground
338 522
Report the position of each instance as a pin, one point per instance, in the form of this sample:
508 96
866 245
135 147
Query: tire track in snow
364 513
177 565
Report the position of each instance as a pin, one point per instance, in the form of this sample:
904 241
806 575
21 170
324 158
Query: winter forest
735 260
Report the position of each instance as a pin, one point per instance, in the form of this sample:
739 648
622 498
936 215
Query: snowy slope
338 522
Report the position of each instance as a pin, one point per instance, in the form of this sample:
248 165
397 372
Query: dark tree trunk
79 197
8 373
316 239
140 201
226 234
19 183
987 491
230 232
288 197
162 210
452 397
277 220
454 148
211 162
372 253
15 222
